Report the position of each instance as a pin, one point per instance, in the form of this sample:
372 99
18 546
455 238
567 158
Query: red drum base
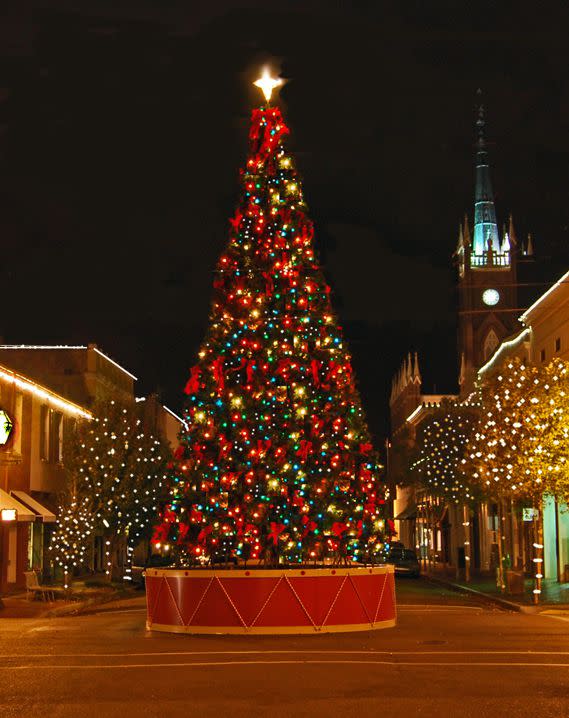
275 601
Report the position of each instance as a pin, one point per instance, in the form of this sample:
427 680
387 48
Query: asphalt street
448 655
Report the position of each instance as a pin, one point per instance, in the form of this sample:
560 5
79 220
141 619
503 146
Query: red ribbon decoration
305 449
276 531
179 452
391 527
317 425
218 373
250 369
315 369
236 221
269 283
160 534
224 446
309 526
203 534
182 532
365 448
338 528
193 385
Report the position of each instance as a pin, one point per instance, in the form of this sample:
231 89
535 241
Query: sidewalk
554 597
81 600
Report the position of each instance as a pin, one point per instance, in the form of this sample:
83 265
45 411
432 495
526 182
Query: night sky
123 125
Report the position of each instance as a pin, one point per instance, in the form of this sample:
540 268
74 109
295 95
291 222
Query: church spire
486 241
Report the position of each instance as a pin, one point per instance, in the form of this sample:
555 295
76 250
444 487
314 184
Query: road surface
448 656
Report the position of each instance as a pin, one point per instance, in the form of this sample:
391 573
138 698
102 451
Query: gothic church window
490 344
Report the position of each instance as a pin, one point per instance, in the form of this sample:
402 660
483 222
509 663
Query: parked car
405 561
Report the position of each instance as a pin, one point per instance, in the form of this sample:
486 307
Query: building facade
44 391
31 471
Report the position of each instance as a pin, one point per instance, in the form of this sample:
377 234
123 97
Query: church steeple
486 242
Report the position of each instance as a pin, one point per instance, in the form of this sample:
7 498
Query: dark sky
123 124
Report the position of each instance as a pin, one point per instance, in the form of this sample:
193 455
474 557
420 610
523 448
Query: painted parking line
290 662
391 654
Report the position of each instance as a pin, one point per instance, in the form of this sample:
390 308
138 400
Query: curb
75 609
504 603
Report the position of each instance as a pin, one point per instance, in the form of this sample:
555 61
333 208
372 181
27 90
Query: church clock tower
487 296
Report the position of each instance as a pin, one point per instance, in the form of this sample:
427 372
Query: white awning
46 515
23 513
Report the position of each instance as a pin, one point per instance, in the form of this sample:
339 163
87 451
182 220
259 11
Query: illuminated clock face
490 297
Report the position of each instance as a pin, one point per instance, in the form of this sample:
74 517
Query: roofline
178 418
562 280
115 363
43 346
41 392
426 405
69 346
506 344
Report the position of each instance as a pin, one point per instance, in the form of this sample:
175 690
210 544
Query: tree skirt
322 600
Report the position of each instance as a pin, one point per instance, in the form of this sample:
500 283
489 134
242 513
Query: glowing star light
267 84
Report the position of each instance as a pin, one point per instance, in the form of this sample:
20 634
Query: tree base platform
270 601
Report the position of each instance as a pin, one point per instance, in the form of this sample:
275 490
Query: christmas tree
276 463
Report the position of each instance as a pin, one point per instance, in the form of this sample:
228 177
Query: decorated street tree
518 451
519 447
438 464
72 541
116 472
277 462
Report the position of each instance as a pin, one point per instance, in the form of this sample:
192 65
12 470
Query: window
542 355
55 436
490 344
51 435
558 344
18 413
44 432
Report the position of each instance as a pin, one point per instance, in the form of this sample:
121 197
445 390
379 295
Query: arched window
490 344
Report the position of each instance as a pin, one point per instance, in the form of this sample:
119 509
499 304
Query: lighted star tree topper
276 463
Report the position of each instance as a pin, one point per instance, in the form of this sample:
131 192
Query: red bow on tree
391 527
365 448
250 369
315 369
317 425
338 528
204 533
193 385
218 373
276 531
309 525
305 449
236 221
182 532
179 452
160 534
